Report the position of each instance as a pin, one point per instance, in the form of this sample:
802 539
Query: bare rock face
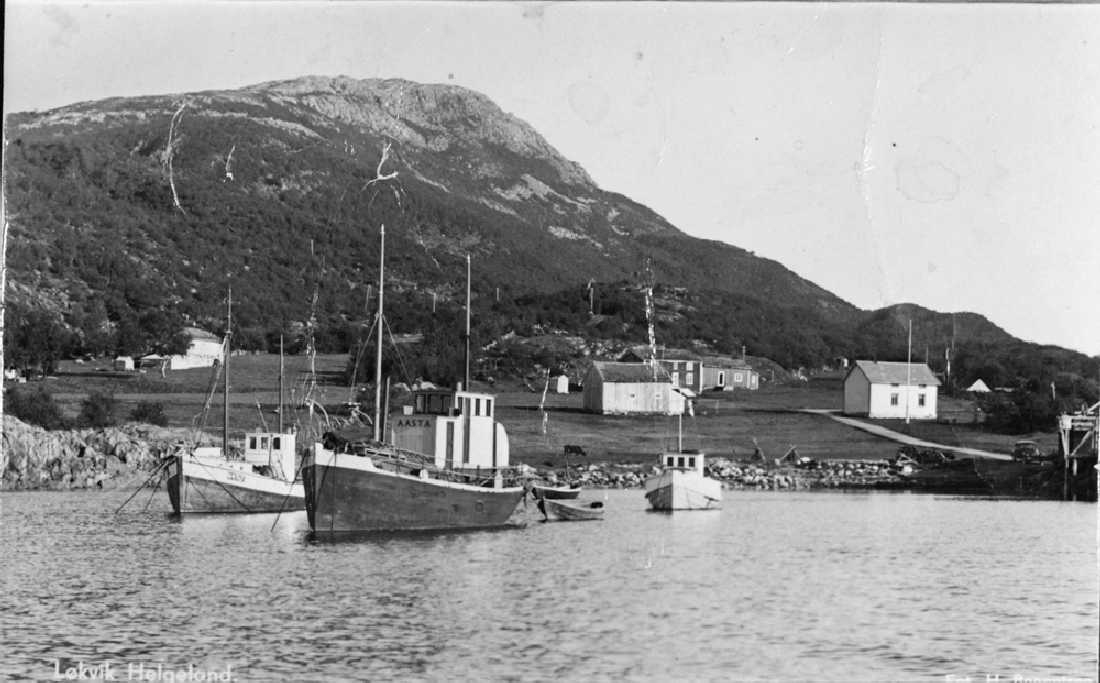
34 458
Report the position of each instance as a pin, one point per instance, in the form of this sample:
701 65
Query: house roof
196 333
978 386
896 373
612 371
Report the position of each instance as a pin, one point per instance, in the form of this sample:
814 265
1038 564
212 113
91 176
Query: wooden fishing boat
557 510
445 466
257 478
261 479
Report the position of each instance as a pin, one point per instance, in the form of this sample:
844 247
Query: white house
617 388
203 350
123 363
891 390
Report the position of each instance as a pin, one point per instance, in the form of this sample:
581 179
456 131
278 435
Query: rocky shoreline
116 457
829 474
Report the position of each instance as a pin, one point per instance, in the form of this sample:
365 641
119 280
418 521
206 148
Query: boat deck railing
404 461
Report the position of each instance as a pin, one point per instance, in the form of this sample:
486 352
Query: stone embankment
829 474
34 458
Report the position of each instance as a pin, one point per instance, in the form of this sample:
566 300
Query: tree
97 410
35 406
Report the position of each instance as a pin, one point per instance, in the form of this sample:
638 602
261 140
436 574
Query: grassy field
725 423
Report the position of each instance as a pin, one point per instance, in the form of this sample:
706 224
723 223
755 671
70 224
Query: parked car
1026 451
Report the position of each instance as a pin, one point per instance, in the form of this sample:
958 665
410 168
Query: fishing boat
445 466
260 477
682 484
570 510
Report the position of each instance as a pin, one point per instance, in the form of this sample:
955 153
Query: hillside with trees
131 217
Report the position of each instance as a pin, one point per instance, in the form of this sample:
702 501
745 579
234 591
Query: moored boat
447 468
682 485
570 510
205 480
259 478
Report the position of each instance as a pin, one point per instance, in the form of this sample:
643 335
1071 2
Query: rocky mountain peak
434 116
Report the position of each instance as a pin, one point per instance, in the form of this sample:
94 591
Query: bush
98 410
35 406
150 413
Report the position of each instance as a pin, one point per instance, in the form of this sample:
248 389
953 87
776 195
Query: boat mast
466 375
280 384
225 371
378 358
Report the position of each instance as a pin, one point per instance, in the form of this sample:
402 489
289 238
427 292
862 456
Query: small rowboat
570 510
557 492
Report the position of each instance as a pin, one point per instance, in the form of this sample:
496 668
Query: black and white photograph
536 341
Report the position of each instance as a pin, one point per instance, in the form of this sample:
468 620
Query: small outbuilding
560 384
123 363
617 388
891 390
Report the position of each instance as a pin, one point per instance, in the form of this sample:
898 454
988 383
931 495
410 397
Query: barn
617 388
891 390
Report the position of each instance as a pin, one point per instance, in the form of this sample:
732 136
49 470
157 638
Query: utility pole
908 371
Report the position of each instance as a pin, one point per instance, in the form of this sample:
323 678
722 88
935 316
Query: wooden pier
1078 443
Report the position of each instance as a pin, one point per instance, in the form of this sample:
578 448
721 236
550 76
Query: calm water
881 586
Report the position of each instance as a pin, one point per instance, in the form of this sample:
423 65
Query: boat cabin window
275 443
691 462
680 461
432 403
477 406
671 461
263 442
252 442
489 407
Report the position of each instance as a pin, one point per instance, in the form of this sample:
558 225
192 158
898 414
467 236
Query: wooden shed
616 388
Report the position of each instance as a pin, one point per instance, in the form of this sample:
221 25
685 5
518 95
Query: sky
940 154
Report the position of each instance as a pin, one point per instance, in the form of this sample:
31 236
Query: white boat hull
676 489
216 485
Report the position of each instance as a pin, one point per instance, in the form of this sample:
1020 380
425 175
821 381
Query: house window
738 378
920 400
893 399
489 407
690 378
477 406
721 379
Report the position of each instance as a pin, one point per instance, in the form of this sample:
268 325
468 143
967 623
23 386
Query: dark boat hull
346 493
557 492
206 489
